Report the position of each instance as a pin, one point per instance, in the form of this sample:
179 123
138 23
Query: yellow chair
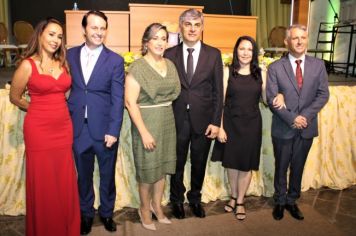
276 37
276 41
3 33
23 32
8 53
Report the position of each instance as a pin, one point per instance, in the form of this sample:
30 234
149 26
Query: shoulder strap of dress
33 65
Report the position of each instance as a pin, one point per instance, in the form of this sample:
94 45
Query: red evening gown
52 203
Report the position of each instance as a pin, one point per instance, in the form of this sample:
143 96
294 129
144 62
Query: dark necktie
298 74
190 64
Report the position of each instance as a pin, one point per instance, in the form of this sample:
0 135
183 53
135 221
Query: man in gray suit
303 82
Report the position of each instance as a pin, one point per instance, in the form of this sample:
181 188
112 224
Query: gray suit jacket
306 102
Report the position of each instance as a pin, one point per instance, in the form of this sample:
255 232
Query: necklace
159 66
47 68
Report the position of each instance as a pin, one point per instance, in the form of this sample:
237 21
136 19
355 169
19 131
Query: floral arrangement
266 61
263 61
226 58
130 57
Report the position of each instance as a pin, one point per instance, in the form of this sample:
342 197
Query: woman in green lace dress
151 85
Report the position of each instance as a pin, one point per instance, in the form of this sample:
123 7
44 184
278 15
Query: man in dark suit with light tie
197 110
303 82
96 107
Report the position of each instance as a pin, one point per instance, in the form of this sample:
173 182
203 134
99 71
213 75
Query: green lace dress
155 89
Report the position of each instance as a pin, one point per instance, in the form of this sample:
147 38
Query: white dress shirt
294 65
88 59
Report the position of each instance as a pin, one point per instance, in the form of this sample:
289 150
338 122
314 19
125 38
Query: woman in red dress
52 204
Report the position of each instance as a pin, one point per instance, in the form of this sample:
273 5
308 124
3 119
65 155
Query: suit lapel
101 60
289 70
79 64
180 64
306 73
201 62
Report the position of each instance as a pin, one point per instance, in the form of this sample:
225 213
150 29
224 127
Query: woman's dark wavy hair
34 46
254 67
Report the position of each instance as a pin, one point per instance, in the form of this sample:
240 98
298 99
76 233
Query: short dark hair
93 12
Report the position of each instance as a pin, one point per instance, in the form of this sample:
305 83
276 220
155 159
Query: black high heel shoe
228 208
240 215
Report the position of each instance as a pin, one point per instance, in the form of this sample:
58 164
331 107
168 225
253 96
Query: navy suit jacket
103 95
205 92
306 102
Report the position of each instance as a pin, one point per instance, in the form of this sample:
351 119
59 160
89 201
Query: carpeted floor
327 212
256 223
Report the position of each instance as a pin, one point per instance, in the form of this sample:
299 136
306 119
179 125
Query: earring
145 48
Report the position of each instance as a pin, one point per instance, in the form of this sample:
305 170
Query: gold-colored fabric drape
332 158
4 12
270 13
12 161
331 161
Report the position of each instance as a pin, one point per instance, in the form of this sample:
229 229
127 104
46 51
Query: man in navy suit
197 110
96 107
303 82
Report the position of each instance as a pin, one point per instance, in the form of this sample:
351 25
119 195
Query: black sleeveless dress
242 124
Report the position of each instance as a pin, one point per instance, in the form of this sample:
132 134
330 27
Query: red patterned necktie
298 74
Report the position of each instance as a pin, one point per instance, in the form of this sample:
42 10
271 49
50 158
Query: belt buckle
188 107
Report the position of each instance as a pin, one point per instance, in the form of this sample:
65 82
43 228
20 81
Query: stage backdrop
34 11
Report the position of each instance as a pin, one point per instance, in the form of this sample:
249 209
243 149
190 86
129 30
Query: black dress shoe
294 211
85 225
197 209
109 224
178 210
278 212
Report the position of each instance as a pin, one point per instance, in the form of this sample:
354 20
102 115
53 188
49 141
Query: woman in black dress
239 141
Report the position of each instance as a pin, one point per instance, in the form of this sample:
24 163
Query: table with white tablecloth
331 161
